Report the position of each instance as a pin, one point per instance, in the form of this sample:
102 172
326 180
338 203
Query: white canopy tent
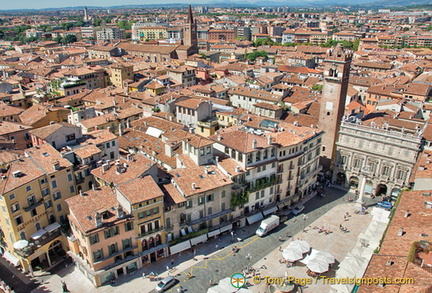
292 254
310 257
325 256
224 286
301 245
318 266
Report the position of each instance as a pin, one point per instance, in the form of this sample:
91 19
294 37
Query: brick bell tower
336 76
190 37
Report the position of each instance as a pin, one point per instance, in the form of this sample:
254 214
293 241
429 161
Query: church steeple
190 35
190 16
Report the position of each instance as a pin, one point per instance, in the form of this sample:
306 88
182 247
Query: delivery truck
267 225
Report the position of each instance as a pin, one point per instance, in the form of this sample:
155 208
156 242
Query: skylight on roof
45 154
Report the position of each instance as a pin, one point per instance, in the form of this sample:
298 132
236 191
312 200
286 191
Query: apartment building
246 98
120 74
152 33
183 75
34 190
110 34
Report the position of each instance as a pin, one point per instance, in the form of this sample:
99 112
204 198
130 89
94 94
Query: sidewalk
338 243
135 282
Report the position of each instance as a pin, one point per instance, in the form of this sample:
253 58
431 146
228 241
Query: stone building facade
389 156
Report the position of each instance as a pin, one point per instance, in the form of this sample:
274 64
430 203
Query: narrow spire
189 16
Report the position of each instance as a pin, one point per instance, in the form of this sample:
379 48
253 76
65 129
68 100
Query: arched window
144 245
23 236
158 240
151 242
38 227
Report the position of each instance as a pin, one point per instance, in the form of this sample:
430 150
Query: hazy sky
38 4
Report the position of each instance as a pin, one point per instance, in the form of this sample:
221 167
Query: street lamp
304 222
248 257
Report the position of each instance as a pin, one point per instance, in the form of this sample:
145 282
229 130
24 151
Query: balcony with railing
148 233
33 204
39 239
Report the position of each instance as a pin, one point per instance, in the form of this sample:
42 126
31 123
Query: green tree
69 39
254 55
67 25
317 87
97 22
124 24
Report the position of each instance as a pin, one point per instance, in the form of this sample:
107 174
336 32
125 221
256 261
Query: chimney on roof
193 186
237 168
219 137
120 212
269 140
254 143
98 219
120 129
56 165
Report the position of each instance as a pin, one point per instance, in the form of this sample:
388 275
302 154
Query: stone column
359 202
48 258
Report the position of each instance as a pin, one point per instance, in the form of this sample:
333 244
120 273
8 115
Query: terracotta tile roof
28 169
140 189
204 178
83 208
45 155
98 120
8 156
190 103
6 110
36 112
240 140
148 144
119 174
11 127
87 151
267 106
98 136
172 195
257 94
397 248
45 131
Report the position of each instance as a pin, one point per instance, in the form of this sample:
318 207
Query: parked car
297 210
385 204
165 284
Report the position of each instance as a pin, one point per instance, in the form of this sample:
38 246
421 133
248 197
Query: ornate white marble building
390 156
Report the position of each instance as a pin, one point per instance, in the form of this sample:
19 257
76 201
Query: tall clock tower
190 37
336 76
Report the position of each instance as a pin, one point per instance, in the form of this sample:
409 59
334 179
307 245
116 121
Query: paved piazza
215 260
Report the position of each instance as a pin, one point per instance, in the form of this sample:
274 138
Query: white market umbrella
346 271
292 254
225 284
353 260
20 244
305 247
342 288
325 256
309 257
318 266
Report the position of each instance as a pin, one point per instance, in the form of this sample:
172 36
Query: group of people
342 228
322 230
